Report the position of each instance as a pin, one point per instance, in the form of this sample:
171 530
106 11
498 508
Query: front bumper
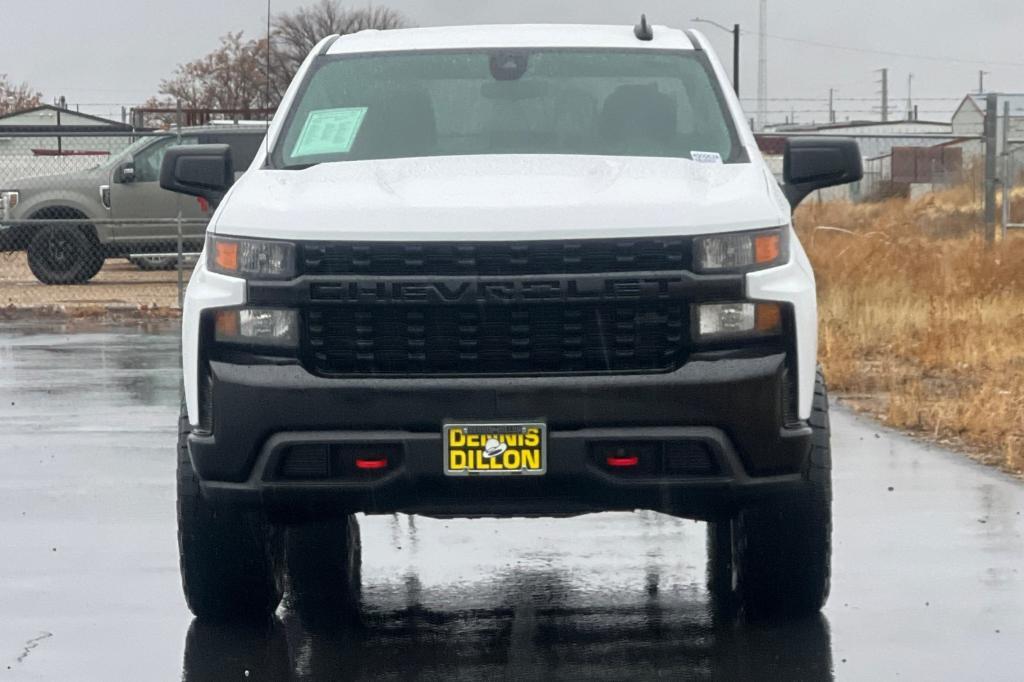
732 407
8 239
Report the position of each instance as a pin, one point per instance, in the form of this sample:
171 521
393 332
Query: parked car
124 188
503 271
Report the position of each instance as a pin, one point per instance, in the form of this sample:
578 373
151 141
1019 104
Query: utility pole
910 97
991 135
1007 174
831 105
981 81
885 94
735 49
762 68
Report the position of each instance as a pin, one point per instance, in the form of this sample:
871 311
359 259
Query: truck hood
492 198
89 177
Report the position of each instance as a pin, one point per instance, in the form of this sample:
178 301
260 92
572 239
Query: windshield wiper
296 166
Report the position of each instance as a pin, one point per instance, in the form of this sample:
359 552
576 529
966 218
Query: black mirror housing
199 170
125 173
816 162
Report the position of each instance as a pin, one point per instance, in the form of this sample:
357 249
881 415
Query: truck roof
509 36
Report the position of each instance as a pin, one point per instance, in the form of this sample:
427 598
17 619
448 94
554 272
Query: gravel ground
120 284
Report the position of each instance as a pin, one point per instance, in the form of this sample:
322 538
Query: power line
850 111
849 99
891 53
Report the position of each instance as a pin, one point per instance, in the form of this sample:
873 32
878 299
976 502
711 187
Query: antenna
266 102
643 30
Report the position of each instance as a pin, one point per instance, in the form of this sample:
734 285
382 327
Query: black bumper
731 408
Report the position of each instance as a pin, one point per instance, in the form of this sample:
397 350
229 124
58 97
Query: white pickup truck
504 271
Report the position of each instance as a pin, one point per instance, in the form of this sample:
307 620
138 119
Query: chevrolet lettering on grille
464 291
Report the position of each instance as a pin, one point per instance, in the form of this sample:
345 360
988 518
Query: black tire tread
782 552
231 564
90 254
325 569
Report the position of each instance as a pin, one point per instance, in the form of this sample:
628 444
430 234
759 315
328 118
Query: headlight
723 321
8 200
257 327
250 258
741 251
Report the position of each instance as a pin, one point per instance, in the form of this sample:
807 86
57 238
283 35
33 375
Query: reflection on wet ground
927 584
521 623
624 598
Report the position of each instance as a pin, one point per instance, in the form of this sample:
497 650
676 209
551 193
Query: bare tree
231 77
296 33
234 76
17 96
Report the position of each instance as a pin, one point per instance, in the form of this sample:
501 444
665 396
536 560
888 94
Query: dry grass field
921 324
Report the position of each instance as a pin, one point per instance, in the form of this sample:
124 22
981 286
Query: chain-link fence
898 164
84 222
1012 199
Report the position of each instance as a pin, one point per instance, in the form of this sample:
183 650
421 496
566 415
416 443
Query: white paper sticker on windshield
706 157
329 131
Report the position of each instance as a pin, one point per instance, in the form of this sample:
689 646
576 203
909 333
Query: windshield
129 151
595 102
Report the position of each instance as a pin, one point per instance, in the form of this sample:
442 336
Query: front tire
64 254
231 560
325 570
779 554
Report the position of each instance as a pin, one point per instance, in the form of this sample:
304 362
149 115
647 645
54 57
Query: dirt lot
119 285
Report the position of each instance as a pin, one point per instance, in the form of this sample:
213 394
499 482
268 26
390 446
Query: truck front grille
496 258
496 339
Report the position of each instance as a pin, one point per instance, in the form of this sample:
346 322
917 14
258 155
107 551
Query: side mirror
199 170
813 163
125 173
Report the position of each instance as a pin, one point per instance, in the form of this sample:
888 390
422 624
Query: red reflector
623 462
372 463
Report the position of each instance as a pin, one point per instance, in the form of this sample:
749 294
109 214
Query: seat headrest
398 123
641 112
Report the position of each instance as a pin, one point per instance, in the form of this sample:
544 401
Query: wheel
778 555
231 560
153 263
325 569
220 651
720 568
64 254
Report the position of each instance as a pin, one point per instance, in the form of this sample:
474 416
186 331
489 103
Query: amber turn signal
226 323
767 247
226 256
768 317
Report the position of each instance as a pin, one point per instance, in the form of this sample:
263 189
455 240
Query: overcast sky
105 53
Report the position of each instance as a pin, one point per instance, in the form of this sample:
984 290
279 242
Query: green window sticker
329 131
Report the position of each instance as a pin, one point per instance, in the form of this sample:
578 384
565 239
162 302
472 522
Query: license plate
495 449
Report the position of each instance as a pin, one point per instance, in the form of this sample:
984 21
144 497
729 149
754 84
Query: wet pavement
928 565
